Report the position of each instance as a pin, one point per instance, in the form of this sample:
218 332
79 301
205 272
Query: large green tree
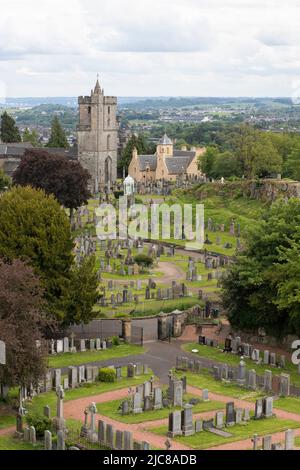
55 174
9 132
34 228
58 138
260 289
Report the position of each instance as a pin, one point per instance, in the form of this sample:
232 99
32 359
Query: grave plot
230 425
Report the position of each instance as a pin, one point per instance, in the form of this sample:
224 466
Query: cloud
157 47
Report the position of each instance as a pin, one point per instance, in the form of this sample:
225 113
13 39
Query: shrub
107 375
143 260
116 341
40 422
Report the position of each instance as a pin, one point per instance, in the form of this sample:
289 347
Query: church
97 137
97 141
167 163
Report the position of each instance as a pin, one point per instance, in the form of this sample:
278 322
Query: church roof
165 140
147 161
184 153
178 165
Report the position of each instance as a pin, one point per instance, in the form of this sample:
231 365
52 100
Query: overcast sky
150 48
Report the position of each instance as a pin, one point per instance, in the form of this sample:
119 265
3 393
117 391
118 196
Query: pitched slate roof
177 165
183 153
147 161
15 149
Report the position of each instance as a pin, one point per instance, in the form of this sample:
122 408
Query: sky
150 48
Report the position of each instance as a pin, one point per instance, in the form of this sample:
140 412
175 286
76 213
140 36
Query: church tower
97 135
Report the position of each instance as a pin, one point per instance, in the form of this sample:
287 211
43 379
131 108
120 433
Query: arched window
108 142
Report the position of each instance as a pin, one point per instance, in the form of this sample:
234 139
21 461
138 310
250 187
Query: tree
255 152
138 142
58 137
21 323
34 228
226 165
260 289
9 132
5 181
81 294
31 137
207 160
55 174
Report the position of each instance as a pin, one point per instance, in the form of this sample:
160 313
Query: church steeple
97 86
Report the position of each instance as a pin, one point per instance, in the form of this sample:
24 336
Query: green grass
12 443
111 409
232 359
88 390
290 404
297 442
206 380
7 420
75 359
205 439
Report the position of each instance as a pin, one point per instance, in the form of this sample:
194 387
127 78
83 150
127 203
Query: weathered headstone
174 424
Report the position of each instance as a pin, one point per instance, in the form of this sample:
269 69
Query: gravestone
128 440
266 357
205 394
252 379
32 435
284 385
273 359
219 419
66 345
268 407
73 377
119 440
110 436
47 440
137 403
268 380
230 414
101 432
158 398
289 439
267 442
187 420
241 375
174 424
130 370
61 440
2 353
258 409
198 425
238 415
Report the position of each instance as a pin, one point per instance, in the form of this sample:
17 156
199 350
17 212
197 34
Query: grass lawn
7 420
232 359
205 439
75 359
89 390
297 442
111 408
206 380
290 404
12 443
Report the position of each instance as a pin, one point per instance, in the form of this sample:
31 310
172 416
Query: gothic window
108 109
108 142
108 122
89 110
108 170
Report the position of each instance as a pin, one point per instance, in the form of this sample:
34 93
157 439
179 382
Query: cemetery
110 384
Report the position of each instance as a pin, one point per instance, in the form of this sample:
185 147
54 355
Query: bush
40 422
144 260
107 375
116 341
